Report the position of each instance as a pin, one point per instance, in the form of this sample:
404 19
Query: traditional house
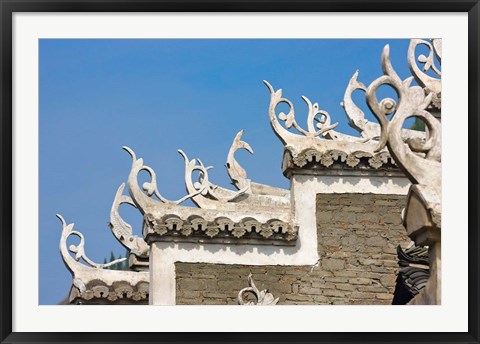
342 233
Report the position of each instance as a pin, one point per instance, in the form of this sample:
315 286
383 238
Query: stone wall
357 238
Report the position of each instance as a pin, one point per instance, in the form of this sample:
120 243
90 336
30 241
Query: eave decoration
324 147
92 282
262 298
255 214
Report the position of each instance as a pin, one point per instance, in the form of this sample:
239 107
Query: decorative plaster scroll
122 230
237 173
325 129
356 116
171 227
264 298
207 195
203 191
78 250
86 276
214 203
121 292
428 83
420 159
323 142
368 130
144 200
323 121
330 149
239 179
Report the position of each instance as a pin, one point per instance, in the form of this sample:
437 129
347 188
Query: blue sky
157 96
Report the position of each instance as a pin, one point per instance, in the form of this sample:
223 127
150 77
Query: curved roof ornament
94 281
357 120
356 117
122 230
237 173
427 82
238 176
166 220
203 191
324 147
317 125
250 194
368 130
142 197
73 263
420 159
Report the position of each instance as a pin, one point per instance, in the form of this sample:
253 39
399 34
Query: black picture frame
9 7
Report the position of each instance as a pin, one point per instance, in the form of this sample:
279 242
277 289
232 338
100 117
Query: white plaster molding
385 185
173 228
162 278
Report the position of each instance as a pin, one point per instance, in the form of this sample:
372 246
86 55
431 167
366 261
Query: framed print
118 119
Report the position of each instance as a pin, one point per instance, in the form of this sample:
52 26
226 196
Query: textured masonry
357 238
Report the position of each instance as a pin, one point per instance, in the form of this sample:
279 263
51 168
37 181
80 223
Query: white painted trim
384 185
162 288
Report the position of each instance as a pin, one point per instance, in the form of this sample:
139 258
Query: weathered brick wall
357 238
